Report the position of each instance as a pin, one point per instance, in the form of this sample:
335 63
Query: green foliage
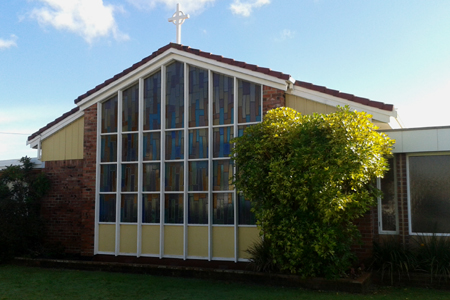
309 177
433 255
21 228
261 257
392 258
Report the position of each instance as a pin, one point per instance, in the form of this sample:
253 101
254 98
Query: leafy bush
21 228
308 178
433 255
261 258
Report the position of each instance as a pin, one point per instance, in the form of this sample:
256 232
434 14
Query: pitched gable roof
218 58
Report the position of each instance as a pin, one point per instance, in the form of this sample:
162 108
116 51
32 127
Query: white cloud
88 18
245 8
5 44
286 34
187 6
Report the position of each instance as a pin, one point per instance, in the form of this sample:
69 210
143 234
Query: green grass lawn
35 283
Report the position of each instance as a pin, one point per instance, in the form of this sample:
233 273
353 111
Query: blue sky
52 51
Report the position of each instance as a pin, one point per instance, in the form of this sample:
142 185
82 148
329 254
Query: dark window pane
388 201
174 177
109 115
175 95
223 99
108 178
130 147
198 176
198 209
223 208
173 210
222 175
107 208
128 209
198 143
129 177
151 208
109 148
130 108
222 137
151 177
246 216
152 146
249 102
152 102
174 144
198 97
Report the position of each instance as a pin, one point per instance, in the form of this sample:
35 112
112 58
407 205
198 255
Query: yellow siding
247 237
223 242
150 239
198 241
128 239
106 238
308 107
173 240
66 143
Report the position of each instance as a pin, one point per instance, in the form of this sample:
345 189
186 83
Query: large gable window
164 150
429 193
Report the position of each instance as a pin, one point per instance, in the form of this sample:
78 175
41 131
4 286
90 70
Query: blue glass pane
108 148
173 210
151 208
222 137
152 146
174 144
151 177
249 102
175 95
198 97
130 147
108 178
223 209
109 115
107 208
130 108
129 177
246 216
174 176
198 143
128 209
198 209
198 176
223 99
152 102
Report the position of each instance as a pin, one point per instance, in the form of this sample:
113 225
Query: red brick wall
272 98
61 208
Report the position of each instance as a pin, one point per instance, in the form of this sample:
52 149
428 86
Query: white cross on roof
178 18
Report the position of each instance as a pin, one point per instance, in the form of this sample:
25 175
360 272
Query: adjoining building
141 168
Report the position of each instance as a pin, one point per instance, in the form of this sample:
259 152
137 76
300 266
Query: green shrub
21 228
433 255
308 178
261 258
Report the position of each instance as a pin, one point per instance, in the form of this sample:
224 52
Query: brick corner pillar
272 98
367 226
89 179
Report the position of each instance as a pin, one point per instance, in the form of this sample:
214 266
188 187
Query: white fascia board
175 54
34 142
377 114
420 140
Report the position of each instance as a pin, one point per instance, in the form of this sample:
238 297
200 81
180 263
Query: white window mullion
119 170
210 161
140 166
97 176
186 163
236 249
162 162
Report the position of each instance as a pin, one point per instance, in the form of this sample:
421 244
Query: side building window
429 193
387 204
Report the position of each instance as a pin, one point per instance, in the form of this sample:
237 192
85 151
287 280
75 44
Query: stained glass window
198 143
222 175
174 176
130 146
109 115
152 145
130 108
152 102
198 97
107 208
198 175
198 209
108 178
173 210
222 137
129 177
128 209
223 208
249 102
151 208
246 216
175 95
151 177
174 144
109 148
223 99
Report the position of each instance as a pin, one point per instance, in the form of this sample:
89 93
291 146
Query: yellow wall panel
173 240
106 238
308 107
66 143
150 239
223 242
247 237
128 239
198 241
